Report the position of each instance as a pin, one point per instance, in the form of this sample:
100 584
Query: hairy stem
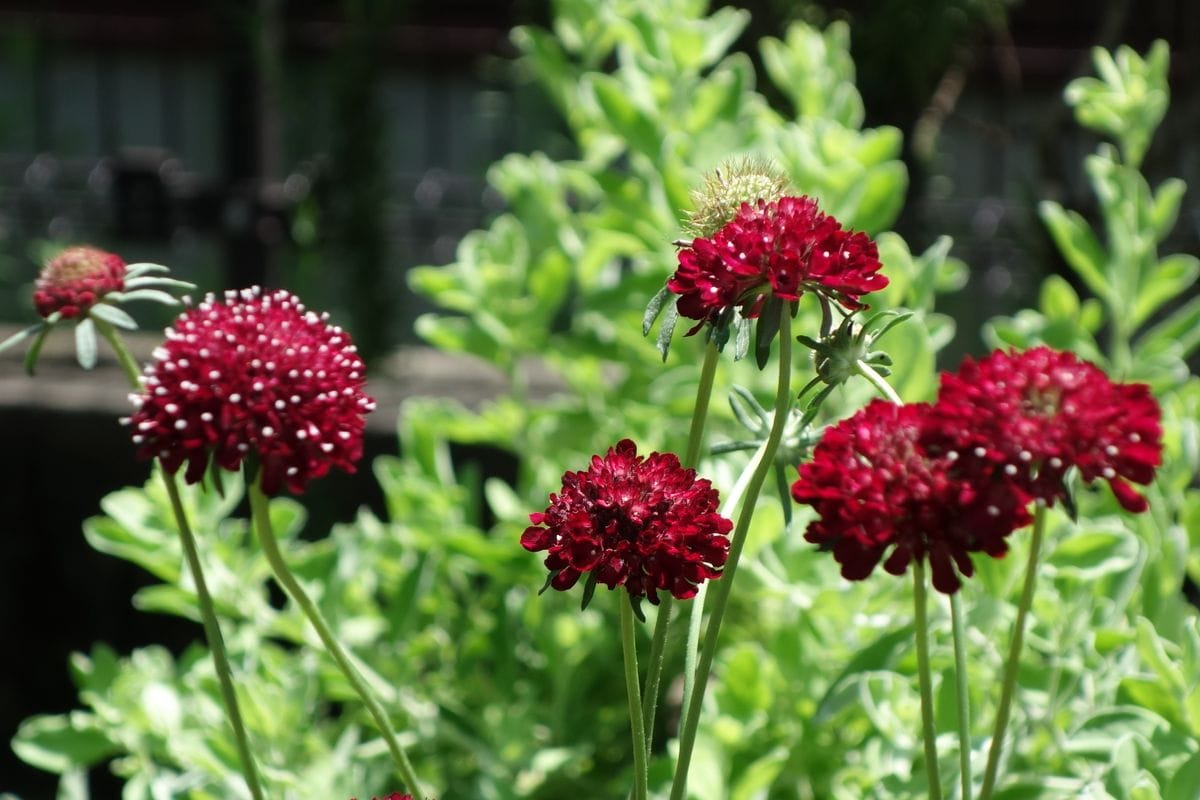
1008 687
637 729
929 732
658 643
720 591
262 524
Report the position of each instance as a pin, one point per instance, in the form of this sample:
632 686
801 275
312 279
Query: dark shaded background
329 146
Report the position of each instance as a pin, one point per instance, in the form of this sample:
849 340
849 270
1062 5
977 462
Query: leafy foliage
503 694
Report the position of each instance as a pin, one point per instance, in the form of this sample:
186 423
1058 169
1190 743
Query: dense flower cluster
392 796
254 374
876 488
642 522
75 280
1035 414
956 477
780 248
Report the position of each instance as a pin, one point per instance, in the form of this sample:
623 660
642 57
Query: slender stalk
266 537
929 733
1014 654
216 643
133 373
720 591
658 643
964 695
208 612
632 680
876 380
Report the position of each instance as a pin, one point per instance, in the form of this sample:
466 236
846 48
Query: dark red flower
257 374
74 280
642 522
876 488
393 796
1035 414
781 248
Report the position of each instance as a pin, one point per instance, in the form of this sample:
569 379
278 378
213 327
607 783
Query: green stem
1014 654
212 632
928 730
128 364
208 612
632 680
876 380
658 644
964 695
720 592
262 524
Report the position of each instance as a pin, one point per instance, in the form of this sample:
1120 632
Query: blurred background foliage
337 148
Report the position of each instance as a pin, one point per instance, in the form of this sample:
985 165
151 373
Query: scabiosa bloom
1035 414
642 522
780 248
74 280
253 374
392 796
876 488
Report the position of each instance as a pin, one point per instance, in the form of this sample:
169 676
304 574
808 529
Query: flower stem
208 612
964 695
658 644
922 630
212 631
1014 654
637 729
266 537
129 365
720 591
883 387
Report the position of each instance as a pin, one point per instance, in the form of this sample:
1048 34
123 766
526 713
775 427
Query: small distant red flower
875 488
1034 414
642 522
74 280
781 248
392 796
257 374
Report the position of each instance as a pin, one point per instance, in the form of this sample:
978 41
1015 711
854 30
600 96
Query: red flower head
875 488
780 248
644 522
253 374
1037 413
76 279
393 796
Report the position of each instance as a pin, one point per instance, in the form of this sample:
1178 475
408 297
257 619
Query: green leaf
1058 300
639 132
85 343
759 776
150 295
113 316
667 330
1089 555
766 329
1165 209
1182 326
35 349
1184 782
21 336
653 309
1078 245
62 742
1173 276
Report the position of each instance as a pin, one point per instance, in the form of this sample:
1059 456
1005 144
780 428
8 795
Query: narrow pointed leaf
35 349
143 268
113 316
149 282
741 342
768 327
653 309
153 295
21 336
670 317
589 591
785 494
85 343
